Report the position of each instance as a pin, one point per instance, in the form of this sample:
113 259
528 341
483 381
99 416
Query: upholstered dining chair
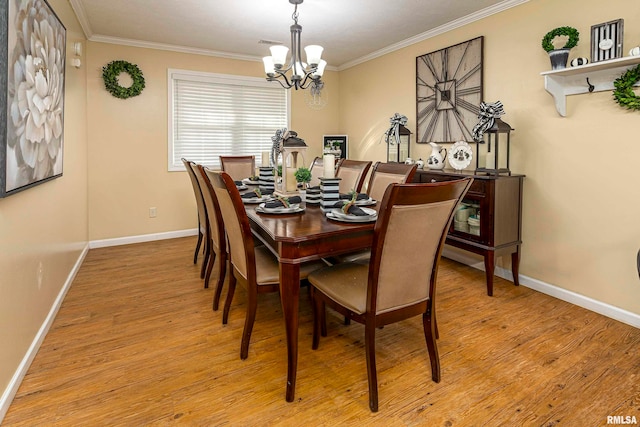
255 266
317 170
203 224
217 240
239 167
353 174
410 231
385 174
382 175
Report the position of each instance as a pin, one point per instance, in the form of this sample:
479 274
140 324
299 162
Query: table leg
515 265
489 267
289 297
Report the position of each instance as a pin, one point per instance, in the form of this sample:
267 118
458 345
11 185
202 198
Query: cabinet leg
515 266
489 267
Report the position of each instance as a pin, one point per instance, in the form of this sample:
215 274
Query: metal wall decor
606 40
32 76
448 92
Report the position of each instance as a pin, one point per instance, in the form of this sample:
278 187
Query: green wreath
572 33
623 92
113 69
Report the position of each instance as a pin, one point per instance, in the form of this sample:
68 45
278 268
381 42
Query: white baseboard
142 238
11 390
591 304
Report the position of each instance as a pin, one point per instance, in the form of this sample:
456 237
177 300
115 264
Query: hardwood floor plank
136 343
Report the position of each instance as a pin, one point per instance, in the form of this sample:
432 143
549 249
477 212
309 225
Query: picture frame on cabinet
32 95
334 143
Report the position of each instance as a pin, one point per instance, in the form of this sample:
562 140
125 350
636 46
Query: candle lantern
293 157
398 151
492 150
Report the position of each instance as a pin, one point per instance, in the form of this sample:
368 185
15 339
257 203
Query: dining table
297 238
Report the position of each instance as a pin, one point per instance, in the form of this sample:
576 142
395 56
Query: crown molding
78 9
461 22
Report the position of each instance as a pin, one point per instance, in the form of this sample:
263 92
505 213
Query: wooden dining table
297 238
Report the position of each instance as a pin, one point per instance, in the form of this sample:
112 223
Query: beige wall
128 141
43 230
580 224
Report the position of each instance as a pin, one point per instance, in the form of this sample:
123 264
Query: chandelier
301 74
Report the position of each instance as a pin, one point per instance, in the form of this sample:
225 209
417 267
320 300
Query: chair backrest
317 170
239 167
236 224
353 173
385 174
409 234
202 210
216 225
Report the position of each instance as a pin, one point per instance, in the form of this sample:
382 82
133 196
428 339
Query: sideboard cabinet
497 199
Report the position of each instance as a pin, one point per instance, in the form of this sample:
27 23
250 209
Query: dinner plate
241 187
338 214
350 218
250 182
253 200
295 208
367 202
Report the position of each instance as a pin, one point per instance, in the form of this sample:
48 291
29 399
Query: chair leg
209 268
222 259
205 260
252 306
316 307
195 255
429 334
372 375
227 303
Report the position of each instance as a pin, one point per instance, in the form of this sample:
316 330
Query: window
212 115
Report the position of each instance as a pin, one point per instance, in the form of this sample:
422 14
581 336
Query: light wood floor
136 343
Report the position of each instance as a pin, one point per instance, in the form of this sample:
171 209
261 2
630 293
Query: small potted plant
560 56
303 176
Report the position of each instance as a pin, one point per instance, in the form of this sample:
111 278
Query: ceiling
351 31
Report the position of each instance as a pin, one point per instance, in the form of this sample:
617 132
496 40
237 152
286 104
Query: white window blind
212 115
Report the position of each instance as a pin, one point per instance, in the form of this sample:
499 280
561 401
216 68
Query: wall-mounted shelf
573 81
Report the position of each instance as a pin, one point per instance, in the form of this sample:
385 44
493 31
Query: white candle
291 180
491 161
265 158
329 162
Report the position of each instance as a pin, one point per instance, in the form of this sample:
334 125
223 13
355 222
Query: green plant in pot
303 176
559 57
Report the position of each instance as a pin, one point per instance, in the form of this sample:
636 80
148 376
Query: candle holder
293 150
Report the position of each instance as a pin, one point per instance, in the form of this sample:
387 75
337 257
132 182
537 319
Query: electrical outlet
153 212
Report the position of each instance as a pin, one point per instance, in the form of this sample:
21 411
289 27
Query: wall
580 224
43 230
128 144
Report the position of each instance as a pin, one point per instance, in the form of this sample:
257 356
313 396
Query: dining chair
203 225
352 174
239 167
217 240
382 175
255 266
385 174
317 170
399 282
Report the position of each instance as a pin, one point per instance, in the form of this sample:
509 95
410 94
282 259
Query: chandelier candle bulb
329 160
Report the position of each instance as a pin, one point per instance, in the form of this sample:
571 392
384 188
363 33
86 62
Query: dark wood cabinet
498 201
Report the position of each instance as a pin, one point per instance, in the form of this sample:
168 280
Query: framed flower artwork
32 75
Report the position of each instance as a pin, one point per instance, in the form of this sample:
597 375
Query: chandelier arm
288 85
